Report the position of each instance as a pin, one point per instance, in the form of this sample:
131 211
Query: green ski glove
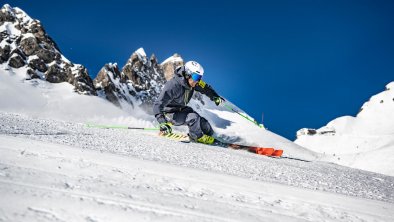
218 100
165 128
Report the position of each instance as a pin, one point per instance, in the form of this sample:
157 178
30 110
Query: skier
171 108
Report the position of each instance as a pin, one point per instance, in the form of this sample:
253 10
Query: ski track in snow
50 170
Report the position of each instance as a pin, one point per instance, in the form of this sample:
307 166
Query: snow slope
52 166
39 98
50 169
365 141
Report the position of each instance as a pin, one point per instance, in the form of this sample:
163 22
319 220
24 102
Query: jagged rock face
17 59
139 83
146 77
170 65
5 53
24 43
79 77
6 15
114 86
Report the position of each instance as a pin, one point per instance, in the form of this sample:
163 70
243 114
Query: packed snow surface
55 168
50 170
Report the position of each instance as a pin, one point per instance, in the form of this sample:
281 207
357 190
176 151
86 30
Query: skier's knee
192 118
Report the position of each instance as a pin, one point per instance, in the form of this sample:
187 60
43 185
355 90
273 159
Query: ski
266 151
176 136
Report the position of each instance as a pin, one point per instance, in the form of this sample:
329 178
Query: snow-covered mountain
24 43
365 141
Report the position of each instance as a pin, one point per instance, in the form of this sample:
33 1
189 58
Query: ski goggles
196 77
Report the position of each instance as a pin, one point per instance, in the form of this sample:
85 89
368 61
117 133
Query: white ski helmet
193 67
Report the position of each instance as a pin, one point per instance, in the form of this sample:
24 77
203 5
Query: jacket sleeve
162 101
206 89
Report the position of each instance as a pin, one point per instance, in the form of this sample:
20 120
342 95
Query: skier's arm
206 89
162 101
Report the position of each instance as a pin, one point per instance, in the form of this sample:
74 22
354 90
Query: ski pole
246 117
118 127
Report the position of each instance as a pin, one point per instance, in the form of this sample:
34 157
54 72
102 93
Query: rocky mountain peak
11 14
24 43
141 71
138 82
169 65
153 60
112 85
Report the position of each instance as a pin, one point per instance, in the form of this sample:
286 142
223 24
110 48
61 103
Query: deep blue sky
301 63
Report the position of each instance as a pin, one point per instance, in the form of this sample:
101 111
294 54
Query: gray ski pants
197 125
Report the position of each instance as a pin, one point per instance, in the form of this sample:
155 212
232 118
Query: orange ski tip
277 153
259 150
268 151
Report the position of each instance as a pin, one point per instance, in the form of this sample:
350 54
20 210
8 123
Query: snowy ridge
378 113
20 14
365 141
173 59
141 52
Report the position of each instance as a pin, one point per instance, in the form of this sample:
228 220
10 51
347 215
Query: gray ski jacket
176 94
